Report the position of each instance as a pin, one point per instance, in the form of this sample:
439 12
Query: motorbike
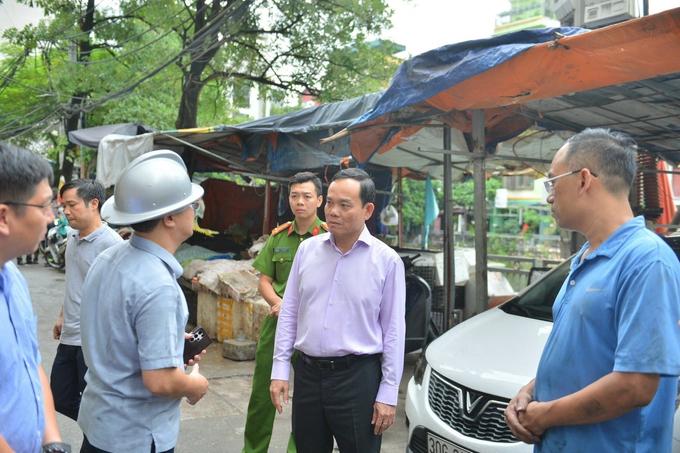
420 329
53 246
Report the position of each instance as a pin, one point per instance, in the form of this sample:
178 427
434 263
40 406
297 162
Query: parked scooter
420 329
53 246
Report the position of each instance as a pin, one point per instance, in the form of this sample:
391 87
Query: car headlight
419 370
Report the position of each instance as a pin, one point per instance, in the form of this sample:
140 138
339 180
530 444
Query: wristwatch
56 447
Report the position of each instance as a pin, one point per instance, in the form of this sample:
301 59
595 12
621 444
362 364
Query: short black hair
306 176
366 184
610 154
20 173
87 189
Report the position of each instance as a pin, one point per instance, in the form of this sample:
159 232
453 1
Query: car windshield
537 300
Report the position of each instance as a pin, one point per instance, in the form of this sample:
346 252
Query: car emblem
473 404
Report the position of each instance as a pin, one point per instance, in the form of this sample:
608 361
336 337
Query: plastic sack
389 216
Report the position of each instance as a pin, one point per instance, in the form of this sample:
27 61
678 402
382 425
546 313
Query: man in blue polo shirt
607 379
28 422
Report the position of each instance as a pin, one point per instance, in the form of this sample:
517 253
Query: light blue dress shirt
133 315
617 311
22 420
80 254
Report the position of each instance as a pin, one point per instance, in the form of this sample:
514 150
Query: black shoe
20 261
29 260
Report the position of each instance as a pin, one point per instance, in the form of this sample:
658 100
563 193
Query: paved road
216 423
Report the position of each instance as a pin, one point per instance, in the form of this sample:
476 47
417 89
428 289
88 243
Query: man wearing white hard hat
133 314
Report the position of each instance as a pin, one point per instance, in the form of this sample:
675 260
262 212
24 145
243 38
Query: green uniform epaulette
324 226
280 228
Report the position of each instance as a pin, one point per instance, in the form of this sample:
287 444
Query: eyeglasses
47 207
194 206
549 183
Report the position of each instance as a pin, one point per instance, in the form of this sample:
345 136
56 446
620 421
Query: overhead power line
123 55
189 49
82 34
9 79
48 118
198 40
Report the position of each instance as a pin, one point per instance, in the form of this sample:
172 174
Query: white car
462 384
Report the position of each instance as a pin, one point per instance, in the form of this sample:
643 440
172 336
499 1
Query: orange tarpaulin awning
630 51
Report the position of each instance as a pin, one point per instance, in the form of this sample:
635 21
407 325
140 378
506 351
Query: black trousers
87 447
67 379
332 401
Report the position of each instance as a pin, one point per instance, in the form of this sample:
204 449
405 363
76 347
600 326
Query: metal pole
400 209
479 148
449 271
267 201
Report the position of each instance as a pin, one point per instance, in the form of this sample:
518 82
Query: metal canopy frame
648 110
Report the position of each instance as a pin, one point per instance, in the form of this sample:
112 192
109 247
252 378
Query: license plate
438 445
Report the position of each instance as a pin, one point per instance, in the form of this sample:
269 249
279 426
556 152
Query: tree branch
288 86
278 31
337 5
189 10
269 65
104 46
112 18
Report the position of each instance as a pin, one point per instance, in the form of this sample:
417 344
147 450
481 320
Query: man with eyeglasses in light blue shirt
28 422
608 376
133 314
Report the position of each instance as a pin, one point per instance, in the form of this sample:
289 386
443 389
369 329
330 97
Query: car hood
493 352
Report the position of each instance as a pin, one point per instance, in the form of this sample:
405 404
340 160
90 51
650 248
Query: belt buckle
325 364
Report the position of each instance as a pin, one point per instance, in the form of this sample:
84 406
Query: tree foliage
413 209
320 47
413 191
464 192
171 63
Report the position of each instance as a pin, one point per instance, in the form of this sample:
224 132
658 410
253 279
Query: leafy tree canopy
169 63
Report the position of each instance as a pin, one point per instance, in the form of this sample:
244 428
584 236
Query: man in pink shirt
343 311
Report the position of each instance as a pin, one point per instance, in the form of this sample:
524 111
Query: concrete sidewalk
216 423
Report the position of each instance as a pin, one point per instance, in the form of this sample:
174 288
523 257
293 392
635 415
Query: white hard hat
151 186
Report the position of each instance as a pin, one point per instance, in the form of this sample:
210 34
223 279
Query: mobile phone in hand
193 345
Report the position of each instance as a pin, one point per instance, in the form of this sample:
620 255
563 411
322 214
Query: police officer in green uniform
274 263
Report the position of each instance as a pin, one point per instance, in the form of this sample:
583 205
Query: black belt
335 363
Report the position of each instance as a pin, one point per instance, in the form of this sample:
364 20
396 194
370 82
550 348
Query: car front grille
471 413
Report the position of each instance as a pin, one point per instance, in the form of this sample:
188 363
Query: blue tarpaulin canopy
432 72
280 144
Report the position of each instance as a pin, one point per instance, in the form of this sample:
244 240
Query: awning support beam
400 208
206 152
479 148
449 248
